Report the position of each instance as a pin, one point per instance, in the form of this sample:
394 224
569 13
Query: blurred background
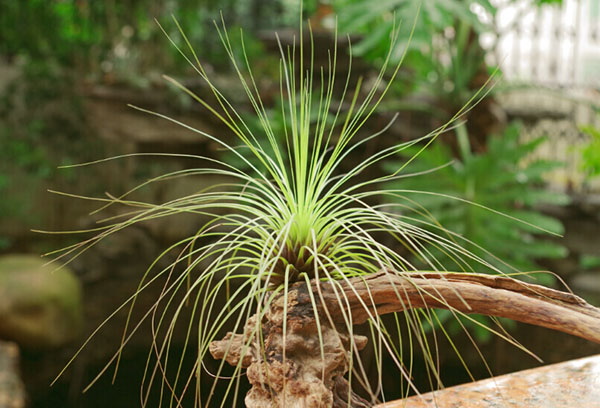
68 69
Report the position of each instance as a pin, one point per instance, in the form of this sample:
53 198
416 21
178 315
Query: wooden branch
306 367
498 296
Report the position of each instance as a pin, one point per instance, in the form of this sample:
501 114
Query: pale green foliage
376 21
590 154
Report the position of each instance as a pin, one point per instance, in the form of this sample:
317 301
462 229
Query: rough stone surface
566 385
40 307
12 392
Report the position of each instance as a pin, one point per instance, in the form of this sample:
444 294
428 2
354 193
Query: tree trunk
307 368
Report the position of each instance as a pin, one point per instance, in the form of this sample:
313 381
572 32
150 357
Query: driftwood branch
312 372
467 293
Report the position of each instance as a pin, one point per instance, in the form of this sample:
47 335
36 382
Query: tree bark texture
311 373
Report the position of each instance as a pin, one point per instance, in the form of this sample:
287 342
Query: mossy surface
40 306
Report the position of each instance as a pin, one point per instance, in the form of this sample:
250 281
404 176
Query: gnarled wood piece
311 374
467 293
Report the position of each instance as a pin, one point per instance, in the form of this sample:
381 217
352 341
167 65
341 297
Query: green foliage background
500 179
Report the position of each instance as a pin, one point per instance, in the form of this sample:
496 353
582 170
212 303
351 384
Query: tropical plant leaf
500 179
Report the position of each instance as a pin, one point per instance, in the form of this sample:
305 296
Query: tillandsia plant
295 253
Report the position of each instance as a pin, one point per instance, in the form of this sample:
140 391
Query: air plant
289 219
